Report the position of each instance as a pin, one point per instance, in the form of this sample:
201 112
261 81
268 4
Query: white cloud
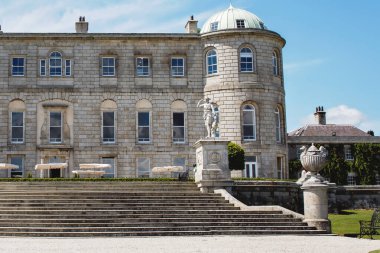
111 16
343 114
294 67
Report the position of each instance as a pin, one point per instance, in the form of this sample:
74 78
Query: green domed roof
232 18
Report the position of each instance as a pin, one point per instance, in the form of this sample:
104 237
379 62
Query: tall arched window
108 109
249 123
212 62
278 124
179 131
144 121
275 63
55 64
246 60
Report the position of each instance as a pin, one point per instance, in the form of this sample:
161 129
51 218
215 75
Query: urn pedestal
315 188
212 171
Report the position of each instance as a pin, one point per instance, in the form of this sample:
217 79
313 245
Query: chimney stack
192 25
82 25
320 115
1 30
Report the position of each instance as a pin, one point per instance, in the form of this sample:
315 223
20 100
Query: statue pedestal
212 171
316 205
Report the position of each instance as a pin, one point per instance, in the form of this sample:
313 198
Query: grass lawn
347 222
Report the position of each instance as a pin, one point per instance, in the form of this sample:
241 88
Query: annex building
130 100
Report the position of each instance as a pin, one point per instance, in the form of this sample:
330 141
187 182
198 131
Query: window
17 127
351 178
216 119
110 172
280 168
249 123
67 67
143 126
251 169
275 64
212 62
299 152
240 23
55 127
143 167
348 156
178 66
42 67
178 127
246 60
214 26
18 66
108 66
178 161
108 127
17 160
377 179
278 124
55 64
142 66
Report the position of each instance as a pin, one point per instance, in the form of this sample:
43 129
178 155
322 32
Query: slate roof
329 130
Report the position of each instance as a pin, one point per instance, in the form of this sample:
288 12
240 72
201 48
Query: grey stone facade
82 97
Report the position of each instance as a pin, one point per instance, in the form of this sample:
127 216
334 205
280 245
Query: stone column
212 171
316 205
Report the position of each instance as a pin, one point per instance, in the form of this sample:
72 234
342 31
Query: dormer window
214 26
240 23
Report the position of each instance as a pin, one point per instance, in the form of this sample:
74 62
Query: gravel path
219 244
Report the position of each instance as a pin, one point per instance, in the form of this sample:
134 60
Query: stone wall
289 195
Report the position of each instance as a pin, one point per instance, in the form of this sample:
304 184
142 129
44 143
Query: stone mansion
130 100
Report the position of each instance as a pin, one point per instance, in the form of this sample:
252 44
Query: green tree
295 167
235 156
336 169
366 162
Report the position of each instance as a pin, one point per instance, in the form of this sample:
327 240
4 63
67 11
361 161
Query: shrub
235 156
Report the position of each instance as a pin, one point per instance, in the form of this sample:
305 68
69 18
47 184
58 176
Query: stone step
39 223
163 233
99 204
149 228
121 208
108 194
133 220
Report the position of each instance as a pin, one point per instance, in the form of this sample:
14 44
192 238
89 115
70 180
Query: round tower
243 77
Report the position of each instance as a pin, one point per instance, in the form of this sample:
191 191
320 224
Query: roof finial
231 7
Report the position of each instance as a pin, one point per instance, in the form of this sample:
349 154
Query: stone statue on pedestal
210 116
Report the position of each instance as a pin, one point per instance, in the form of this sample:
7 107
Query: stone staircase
66 208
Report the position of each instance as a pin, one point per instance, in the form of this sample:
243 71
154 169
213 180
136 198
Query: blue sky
331 58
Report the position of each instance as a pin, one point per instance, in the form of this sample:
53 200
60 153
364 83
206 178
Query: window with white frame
214 26
143 128
275 63
19 161
251 168
17 128
42 67
351 178
178 66
142 66
108 127
280 168
246 60
178 127
249 123
278 124
18 66
212 62
108 66
67 67
240 23
55 127
179 161
55 64
109 172
143 167
348 156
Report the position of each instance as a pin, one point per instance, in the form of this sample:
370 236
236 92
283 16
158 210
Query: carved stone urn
312 160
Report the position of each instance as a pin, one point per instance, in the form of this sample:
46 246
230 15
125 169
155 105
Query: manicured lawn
347 222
